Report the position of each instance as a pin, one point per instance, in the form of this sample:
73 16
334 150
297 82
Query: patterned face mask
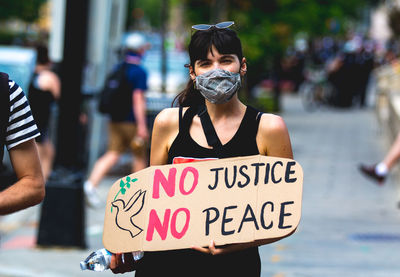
218 86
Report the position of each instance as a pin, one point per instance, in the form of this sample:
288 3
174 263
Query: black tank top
189 262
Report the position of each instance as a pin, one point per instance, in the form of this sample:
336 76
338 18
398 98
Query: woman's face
215 60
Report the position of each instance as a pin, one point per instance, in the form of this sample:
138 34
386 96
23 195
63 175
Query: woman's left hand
213 250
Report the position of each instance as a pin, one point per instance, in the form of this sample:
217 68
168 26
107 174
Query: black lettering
257 165
208 220
216 177
273 172
226 220
240 185
283 214
267 168
246 219
288 172
262 215
234 177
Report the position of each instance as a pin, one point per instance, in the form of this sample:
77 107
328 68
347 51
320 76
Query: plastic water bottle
100 260
97 261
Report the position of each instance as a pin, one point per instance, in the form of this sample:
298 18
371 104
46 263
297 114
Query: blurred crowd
346 63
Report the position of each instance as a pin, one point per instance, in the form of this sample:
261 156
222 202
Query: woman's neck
232 107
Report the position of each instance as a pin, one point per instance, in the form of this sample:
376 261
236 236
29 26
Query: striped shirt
21 126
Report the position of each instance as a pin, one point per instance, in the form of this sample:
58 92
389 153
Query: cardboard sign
176 206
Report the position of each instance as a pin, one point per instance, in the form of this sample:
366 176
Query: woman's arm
165 130
273 137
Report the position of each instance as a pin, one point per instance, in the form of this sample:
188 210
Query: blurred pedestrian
211 122
129 132
44 90
17 132
378 172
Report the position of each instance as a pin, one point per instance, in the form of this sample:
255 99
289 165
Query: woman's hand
213 250
121 263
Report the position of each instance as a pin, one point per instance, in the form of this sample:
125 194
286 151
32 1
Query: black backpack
7 175
116 95
4 111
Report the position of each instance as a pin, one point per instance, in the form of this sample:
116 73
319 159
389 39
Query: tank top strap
186 120
253 118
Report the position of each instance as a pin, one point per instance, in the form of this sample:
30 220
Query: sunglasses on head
221 25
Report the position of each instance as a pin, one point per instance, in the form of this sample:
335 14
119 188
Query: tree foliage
27 11
266 28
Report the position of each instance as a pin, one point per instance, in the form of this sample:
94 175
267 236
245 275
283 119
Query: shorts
123 137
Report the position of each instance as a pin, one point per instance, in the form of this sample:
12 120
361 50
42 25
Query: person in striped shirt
21 130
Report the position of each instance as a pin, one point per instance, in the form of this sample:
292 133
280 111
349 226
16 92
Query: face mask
218 86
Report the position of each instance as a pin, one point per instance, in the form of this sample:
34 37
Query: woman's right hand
122 265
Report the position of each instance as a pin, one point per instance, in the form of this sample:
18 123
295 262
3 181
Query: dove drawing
126 212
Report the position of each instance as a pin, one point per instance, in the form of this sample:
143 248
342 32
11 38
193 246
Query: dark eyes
226 60
223 61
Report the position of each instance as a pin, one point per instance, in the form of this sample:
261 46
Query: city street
349 225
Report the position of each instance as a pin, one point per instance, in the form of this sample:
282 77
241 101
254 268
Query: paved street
349 226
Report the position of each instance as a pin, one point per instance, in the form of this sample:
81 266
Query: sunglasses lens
224 25
201 27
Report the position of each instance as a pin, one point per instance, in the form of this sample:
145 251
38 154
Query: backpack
7 175
4 111
116 95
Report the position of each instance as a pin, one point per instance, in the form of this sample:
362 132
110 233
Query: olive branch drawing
122 190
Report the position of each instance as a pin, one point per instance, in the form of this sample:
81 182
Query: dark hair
42 55
224 40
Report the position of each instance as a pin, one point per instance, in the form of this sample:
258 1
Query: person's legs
103 166
393 155
379 171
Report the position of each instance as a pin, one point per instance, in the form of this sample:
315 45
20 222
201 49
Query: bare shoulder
273 137
165 130
167 118
271 123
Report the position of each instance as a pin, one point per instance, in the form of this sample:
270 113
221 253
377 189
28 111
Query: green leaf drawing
122 190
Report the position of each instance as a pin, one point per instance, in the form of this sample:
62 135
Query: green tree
268 27
27 11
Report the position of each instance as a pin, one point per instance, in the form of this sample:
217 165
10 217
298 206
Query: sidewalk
349 226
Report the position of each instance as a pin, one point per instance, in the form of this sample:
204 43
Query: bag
4 111
116 96
7 175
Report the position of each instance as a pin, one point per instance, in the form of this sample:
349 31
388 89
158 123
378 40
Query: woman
216 68
44 89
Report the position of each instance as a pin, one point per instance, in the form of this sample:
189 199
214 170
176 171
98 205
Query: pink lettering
174 232
167 184
182 180
155 223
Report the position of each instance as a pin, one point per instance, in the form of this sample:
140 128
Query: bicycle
316 90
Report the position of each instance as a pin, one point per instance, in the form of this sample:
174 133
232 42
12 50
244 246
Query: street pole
75 34
62 219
